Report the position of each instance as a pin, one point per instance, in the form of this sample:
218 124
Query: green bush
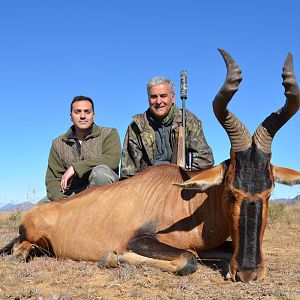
15 218
276 211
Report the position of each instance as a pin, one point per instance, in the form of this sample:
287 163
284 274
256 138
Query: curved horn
238 134
266 131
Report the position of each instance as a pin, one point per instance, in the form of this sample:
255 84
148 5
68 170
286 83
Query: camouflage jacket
139 149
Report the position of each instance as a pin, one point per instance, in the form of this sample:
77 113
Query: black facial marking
252 171
23 233
250 224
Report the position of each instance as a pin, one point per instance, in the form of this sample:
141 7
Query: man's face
82 114
160 100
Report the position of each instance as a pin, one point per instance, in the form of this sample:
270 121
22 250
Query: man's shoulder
100 131
139 121
60 138
59 142
139 117
103 130
63 137
192 117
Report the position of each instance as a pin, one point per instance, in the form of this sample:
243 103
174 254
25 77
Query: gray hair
160 80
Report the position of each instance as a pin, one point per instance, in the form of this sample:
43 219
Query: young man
151 138
86 155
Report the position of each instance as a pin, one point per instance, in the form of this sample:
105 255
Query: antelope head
249 176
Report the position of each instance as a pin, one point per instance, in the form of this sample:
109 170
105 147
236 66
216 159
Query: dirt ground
49 278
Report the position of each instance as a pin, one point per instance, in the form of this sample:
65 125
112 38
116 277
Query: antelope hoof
109 260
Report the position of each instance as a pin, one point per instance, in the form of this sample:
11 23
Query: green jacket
139 143
100 147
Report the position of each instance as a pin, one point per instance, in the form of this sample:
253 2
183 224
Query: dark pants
100 175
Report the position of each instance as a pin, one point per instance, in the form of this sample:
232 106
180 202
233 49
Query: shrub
276 211
15 218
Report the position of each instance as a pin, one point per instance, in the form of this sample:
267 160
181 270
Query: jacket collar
69 136
142 120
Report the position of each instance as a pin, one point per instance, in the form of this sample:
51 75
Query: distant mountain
18 206
288 201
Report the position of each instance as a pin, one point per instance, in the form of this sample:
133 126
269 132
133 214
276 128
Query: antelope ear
205 179
285 175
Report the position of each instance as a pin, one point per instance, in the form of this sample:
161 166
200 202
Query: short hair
160 80
81 98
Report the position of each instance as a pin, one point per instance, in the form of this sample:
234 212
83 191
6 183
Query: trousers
100 175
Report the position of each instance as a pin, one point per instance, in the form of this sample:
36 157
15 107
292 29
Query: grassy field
49 278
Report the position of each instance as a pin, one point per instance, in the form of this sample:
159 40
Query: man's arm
131 153
55 171
67 178
111 152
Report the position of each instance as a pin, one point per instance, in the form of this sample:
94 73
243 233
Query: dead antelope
165 216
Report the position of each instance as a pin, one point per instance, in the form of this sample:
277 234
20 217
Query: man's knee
101 175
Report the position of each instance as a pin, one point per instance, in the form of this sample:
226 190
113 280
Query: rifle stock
181 147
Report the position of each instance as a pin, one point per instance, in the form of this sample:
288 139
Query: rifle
181 130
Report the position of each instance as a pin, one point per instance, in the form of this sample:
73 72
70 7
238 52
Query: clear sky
54 50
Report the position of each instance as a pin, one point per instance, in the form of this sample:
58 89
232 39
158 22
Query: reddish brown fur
148 197
106 221
102 220
285 175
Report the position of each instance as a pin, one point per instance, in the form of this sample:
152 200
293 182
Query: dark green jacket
139 144
100 147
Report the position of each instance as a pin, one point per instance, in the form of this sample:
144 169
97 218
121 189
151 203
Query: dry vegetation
49 278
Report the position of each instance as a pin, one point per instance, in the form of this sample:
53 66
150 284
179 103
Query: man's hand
67 178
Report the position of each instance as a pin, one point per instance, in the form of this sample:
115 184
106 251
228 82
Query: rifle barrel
183 96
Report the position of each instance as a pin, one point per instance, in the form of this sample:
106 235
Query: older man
152 137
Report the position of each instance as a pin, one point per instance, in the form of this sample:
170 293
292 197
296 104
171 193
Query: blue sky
54 50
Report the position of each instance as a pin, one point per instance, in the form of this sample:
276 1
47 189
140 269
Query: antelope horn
264 134
238 134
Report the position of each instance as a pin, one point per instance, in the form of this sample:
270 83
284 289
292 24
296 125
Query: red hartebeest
148 219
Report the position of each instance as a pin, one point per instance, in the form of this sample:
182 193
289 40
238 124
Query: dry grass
48 278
